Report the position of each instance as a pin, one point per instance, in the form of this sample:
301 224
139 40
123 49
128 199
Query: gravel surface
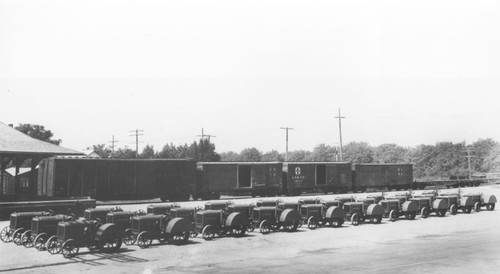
463 243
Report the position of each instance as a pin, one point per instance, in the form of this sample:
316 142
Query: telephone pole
469 156
113 141
138 132
340 117
203 135
287 129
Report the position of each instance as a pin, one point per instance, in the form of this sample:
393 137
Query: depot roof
13 142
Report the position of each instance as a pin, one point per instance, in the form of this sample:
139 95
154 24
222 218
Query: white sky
404 72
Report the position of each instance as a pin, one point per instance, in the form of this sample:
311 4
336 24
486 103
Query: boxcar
324 177
382 176
106 179
238 178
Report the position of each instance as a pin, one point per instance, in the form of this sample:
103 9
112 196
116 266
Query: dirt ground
463 243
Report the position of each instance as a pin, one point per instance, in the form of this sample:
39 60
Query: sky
403 72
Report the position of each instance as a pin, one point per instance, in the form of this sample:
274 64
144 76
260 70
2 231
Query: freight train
178 180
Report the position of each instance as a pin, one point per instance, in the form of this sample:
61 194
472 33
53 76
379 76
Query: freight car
238 178
382 176
107 179
323 177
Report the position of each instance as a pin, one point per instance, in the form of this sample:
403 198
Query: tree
391 153
230 156
147 153
125 153
298 156
323 153
272 156
101 149
251 155
358 152
38 132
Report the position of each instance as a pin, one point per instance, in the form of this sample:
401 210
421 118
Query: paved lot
464 243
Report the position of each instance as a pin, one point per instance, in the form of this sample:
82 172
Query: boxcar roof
13 141
117 159
384 164
314 163
237 163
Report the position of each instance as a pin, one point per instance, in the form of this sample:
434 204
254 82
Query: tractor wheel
290 227
377 219
16 236
239 231
193 233
6 235
441 213
490 207
143 239
311 223
264 227
27 239
424 213
251 227
110 246
52 245
412 215
355 219
338 222
207 233
393 215
69 249
477 207
128 238
40 241
182 238
453 209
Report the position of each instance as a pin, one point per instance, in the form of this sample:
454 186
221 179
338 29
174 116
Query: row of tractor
105 229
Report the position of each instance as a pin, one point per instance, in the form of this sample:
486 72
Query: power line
137 134
287 129
340 117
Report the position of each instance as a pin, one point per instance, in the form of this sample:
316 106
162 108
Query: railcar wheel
143 239
207 233
264 227
477 207
110 246
467 210
393 215
312 223
355 219
453 209
424 213
412 215
16 236
40 241
52 245
128 238
441 213
27 239
6 235
490 207
69 249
